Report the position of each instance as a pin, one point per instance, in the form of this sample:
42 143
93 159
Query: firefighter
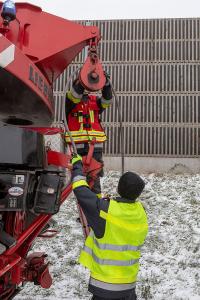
83 111
118 231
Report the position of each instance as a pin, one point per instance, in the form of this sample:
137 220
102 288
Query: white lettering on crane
7 56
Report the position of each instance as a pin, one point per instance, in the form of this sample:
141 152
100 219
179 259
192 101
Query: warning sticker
19 179
15 191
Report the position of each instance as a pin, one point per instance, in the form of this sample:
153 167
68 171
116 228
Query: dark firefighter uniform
83 113
119 228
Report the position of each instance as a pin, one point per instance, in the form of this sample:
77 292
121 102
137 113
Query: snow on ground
170 264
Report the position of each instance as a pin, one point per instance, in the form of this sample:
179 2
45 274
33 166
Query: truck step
6 239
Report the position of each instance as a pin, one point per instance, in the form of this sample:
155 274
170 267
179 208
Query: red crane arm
49 41
34 50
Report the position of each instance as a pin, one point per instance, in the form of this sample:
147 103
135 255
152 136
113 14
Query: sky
119 9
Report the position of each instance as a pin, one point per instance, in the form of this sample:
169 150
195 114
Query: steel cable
121 132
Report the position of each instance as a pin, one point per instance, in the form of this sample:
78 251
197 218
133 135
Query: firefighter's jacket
112 250
83 114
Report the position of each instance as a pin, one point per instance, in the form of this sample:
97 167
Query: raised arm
106 99
88 200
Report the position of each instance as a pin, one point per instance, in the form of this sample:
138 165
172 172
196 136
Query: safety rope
83 220
121 133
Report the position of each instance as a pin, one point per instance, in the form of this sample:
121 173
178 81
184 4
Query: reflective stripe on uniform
110 262
112 286
83 135
78 178
105 103
75 94
117 247
72 98
91 116
82 146
98 145
86 139
85 132
80 120
79 183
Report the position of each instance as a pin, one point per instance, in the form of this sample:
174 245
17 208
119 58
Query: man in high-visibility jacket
83 111
118 231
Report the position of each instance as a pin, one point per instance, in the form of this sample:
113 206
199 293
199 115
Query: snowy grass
170 263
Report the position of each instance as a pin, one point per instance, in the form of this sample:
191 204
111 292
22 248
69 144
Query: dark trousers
132 296
98 155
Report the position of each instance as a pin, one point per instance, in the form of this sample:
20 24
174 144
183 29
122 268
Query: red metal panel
50 42
34 50
26 95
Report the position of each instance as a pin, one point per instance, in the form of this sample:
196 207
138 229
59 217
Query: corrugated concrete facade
155 70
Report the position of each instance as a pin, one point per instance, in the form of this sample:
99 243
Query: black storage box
21 148
47 198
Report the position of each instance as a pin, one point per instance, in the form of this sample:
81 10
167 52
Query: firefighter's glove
107 75
76 81
77 86
75 158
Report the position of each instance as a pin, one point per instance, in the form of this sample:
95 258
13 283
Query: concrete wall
154 165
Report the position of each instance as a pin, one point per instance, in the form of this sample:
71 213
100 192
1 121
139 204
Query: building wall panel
155 70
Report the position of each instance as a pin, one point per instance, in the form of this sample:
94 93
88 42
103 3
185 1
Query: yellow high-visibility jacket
114 259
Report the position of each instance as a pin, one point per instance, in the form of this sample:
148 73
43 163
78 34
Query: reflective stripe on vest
117 247
110 262
79 183
78 178
85 136
111 286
